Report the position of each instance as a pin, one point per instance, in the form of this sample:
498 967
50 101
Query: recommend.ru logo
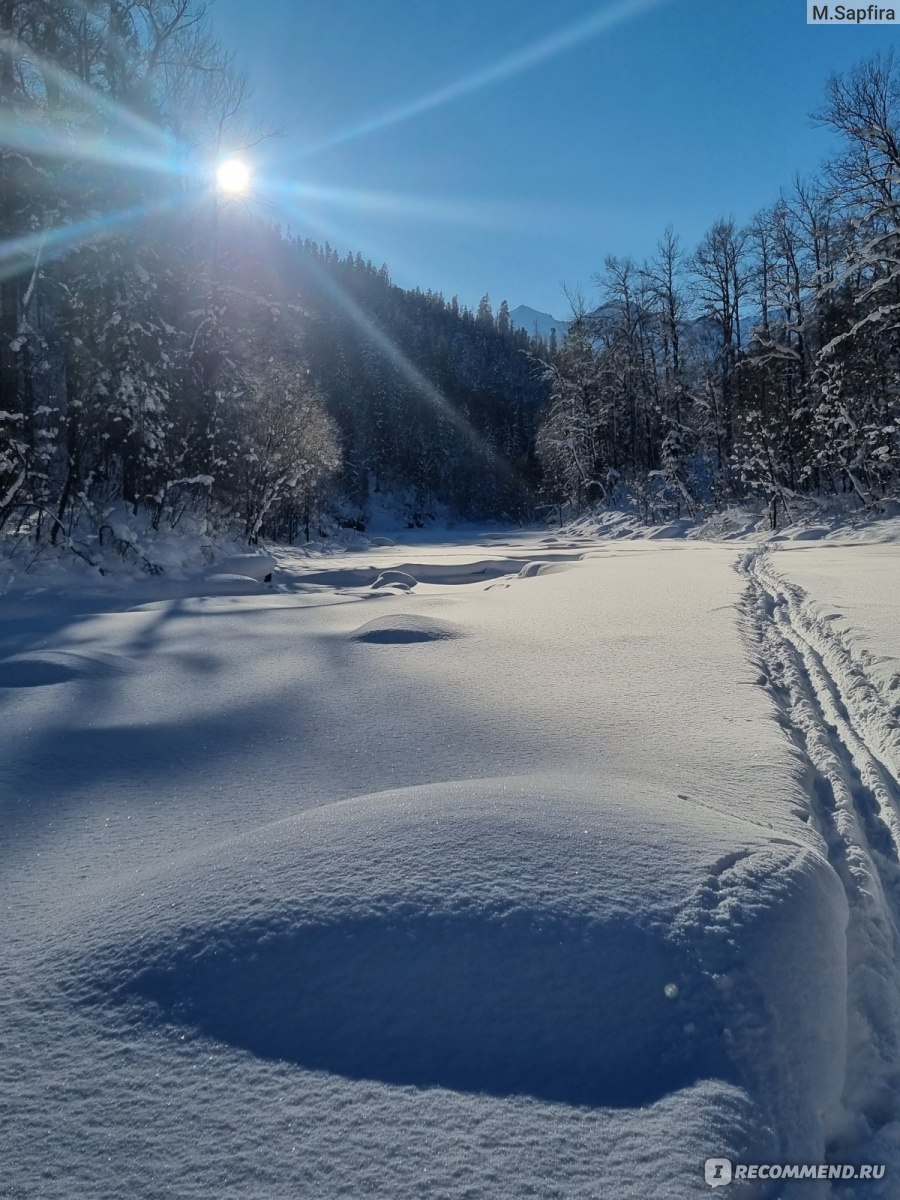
719 1171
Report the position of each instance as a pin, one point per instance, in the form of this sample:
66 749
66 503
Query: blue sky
676 111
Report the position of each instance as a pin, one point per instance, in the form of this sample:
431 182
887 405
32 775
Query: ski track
849 735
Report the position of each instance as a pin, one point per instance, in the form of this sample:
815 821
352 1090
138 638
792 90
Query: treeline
168 354
764 362
437 406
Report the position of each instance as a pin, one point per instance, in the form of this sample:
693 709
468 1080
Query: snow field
458 890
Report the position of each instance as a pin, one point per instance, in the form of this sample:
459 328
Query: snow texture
499 868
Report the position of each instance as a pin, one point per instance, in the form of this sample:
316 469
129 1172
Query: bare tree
721 281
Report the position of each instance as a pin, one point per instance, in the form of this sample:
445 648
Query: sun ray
515 63
122 138
499 215
472 213
408 371
59 143
92 97
18 253
321 225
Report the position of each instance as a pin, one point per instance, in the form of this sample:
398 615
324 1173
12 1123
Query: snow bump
533 569
402 628
499 937
250 566
401 580
48 667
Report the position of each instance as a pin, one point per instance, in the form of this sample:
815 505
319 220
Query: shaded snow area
516 866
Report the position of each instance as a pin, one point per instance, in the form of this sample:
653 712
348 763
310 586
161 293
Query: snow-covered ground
826 621
514 865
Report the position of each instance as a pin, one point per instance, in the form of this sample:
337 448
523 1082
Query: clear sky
506 146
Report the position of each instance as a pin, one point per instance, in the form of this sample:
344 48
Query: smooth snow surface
490 869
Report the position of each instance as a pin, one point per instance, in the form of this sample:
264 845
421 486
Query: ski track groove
847 731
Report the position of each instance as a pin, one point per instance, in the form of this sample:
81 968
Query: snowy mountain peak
534 321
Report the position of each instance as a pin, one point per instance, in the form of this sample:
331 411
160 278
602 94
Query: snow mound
409 574
533 569
396 579
382 541
504 937
231 585
47 667
674 529
813 533
253 566
463 572
405 627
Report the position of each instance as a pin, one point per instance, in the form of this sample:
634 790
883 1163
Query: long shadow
24 627
533 1004
263 756
59 769
45 649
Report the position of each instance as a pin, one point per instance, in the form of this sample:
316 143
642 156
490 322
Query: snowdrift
509 881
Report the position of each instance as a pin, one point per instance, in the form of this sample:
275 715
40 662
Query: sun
233 176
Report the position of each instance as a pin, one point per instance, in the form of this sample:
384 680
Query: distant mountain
533 321
700 333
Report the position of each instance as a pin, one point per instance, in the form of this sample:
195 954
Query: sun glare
233 176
